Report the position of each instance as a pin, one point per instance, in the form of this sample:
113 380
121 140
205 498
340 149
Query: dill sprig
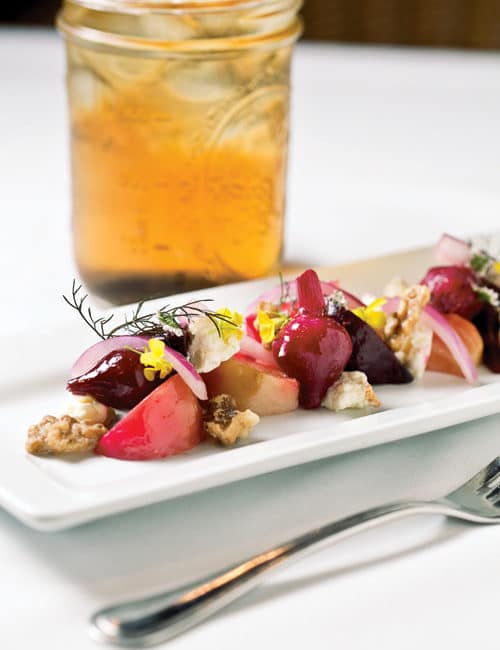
78 302
138 322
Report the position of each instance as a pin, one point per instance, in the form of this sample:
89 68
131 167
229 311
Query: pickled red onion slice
432 319
88 359
249 347
187 372
452 251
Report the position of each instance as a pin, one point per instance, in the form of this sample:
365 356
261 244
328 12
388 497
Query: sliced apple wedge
254 386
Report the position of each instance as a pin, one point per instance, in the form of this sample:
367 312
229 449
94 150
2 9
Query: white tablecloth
389 148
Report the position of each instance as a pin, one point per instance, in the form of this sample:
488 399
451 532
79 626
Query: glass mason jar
179 127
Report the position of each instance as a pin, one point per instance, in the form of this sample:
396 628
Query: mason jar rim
94 36
175 6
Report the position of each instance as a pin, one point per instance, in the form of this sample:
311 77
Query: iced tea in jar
179 127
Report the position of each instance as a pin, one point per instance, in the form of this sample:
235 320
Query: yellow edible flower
372 314
268 326
154 361
230 325
496 267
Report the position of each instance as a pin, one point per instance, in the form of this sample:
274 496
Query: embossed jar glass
179 128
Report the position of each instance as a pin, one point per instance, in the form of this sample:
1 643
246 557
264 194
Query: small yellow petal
263 318
147 359
377 320
230 324
267 333
157 347
496 267
278 322
238 333
371 314
149 373
377 304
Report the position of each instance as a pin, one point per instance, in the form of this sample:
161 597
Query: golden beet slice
262 389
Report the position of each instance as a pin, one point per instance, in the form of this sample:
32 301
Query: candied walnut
400 325
63 435
351 390
225 423
403 333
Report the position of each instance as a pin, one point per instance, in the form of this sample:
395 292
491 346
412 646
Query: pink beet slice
315 351
167 422
452 290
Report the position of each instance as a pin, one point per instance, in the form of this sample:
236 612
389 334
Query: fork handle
149 621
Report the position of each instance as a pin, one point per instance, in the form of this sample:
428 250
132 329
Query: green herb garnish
138 323
480 262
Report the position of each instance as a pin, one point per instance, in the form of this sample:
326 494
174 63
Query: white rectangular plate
53 493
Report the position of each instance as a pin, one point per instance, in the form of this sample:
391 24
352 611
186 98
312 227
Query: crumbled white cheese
396 287
416 358
368 298
486 294
208 349
351 390
86 409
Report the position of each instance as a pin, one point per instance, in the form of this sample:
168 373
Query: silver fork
149 621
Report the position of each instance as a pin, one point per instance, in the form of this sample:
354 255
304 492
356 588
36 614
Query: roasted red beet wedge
369 353
452 290
117 380
166 422
312 348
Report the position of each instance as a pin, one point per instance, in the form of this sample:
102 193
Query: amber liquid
178 170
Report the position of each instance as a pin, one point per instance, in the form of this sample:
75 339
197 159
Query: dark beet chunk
117 380
488 325
370 354
177 340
